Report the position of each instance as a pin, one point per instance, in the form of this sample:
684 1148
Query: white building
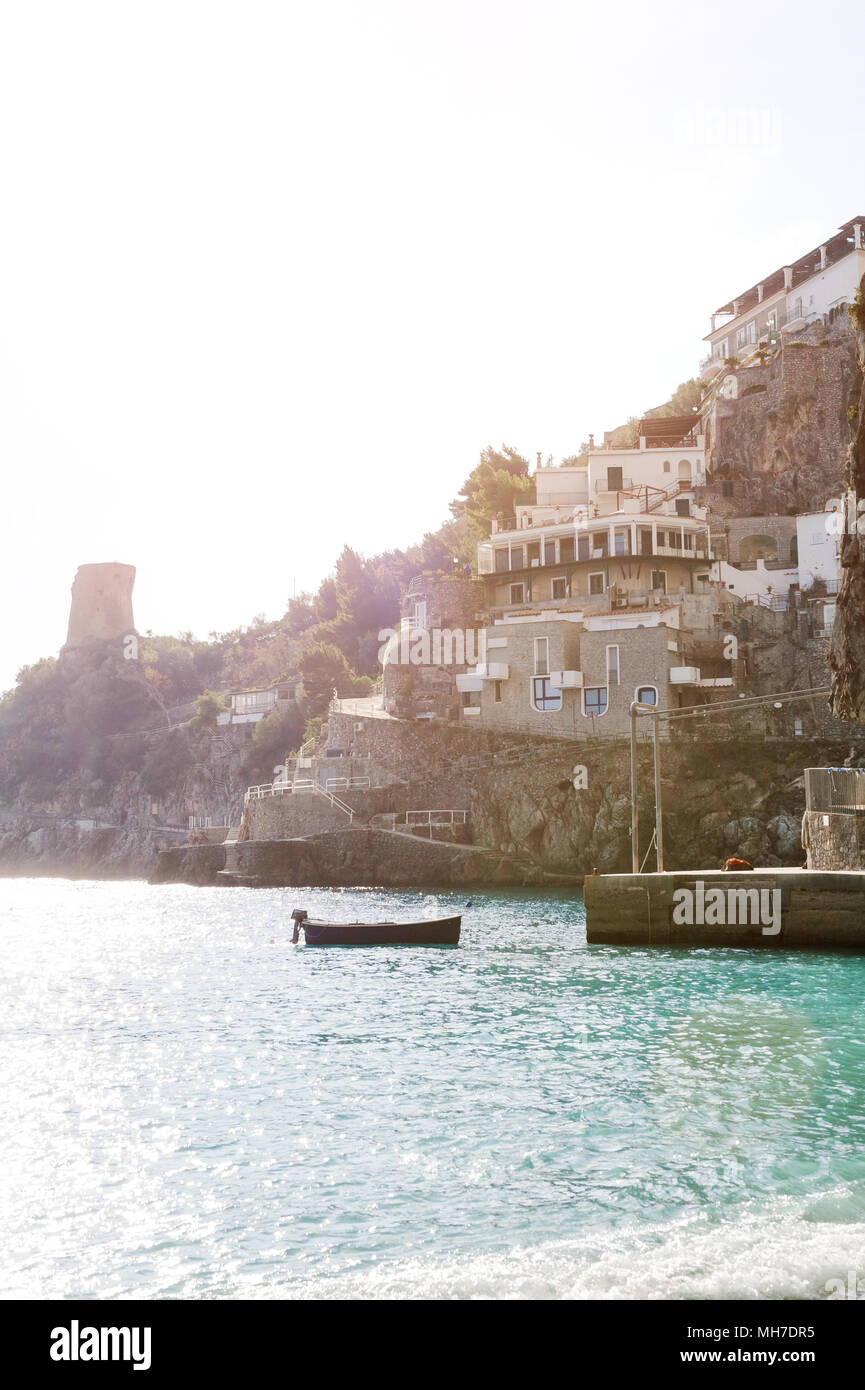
818 536
249 706
819 285
765 587
667 463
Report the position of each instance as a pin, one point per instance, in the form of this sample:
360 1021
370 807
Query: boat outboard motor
298 916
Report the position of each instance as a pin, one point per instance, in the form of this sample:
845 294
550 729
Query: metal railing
835 788
346 783
435 817
266 789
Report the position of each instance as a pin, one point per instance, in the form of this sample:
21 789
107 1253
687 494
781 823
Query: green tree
207 709
498 483
323 669
274 738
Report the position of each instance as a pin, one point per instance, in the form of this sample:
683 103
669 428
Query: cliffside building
599 593
819 285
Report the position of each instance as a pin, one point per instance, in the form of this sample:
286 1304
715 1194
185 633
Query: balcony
491 671
469 683
566 680
684 675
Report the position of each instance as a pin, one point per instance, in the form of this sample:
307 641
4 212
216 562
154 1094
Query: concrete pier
770 908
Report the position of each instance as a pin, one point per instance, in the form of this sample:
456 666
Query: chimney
539 458
591 441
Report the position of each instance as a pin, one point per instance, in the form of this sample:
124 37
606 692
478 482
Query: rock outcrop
847 656
778 430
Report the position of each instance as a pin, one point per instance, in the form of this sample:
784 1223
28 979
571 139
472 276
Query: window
666 465
516 557
549 552
559 587
542 656
497 692
545 697
622 539
584 548
740 338
597 582
772 320
752 331
566 549
518 593
534 553
595 700
612 665
659 580
647 694
501 558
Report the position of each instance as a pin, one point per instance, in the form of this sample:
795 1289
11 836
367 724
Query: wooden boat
443 931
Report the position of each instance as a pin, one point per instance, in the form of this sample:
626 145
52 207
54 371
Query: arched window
666 465
758 548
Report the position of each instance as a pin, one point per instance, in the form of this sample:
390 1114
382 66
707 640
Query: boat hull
444 931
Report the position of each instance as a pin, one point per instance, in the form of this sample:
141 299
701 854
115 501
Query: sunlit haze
273 274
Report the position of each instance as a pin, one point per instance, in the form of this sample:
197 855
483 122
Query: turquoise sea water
192 1107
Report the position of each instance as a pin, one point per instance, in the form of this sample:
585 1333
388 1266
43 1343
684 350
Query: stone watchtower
101 603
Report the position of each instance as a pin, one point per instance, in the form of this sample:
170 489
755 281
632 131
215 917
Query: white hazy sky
272 274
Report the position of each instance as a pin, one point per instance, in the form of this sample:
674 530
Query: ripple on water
194 1108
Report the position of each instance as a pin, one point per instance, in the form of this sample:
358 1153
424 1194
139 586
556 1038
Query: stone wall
356 857
781 530
836 840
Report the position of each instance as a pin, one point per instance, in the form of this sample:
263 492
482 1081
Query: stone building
575 676
437 637
101 607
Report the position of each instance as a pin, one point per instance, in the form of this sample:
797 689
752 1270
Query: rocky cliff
848 638
778 429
